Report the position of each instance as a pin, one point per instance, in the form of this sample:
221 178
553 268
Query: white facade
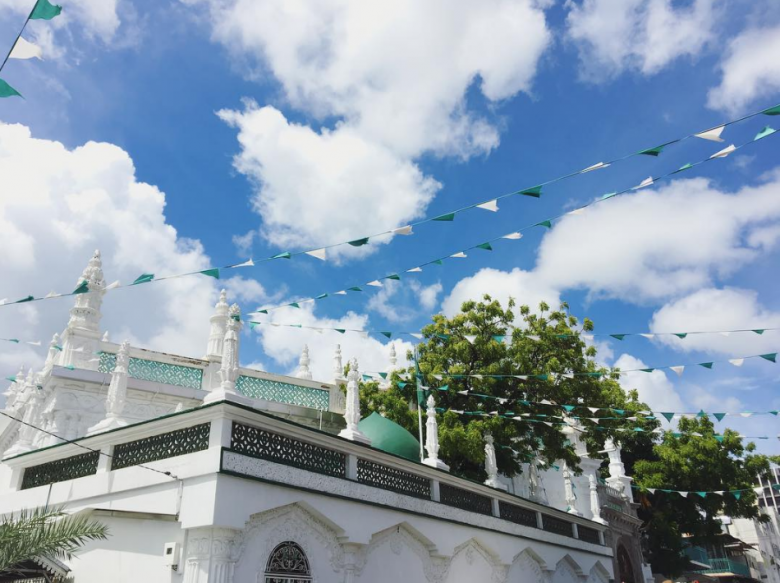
202 469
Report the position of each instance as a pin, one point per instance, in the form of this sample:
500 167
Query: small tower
117 393
33 407
303 365
432 437
218 326
82 335
229 371
338 366
352 414
491 467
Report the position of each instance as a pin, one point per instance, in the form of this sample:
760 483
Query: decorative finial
229 371
218 323
568 489
303 364
105 336
432 437
491 466
393 358
116 399
338 367
352 413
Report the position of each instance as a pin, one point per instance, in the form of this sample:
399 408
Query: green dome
390 437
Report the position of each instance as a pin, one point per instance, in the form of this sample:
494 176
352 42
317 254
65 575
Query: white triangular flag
463 392
51 294
678 369
594 419
587 336
724 152
737 361
3 301
646 182
114 285
726 334
407 230
695 433
683 494
648 336
438 377
522 377
746 414
568 375
651 490
416 335
375 283
548 424
757 490
491 205
712 135
471 338
477 376
593 409
25 50
578 211
414 270
340 293
318 253
363 333
532 337
249 263
594 167
513 236
459 254
33 342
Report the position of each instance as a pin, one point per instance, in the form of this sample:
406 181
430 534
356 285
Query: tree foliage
48 532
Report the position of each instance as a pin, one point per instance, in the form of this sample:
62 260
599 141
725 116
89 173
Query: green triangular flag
774 413
82 288
444 388
383 375
340 330
354 288
498 338
667 416
44 10
438 262
293 305
253 324
367 377
676 434
401 384
387 334
569 408
638 429
772 357
772 110
536 191
359 242
683 167
652 151
608 195
737 494
7 91
145 278
618 336
767 131
620 411
261 312
211 273
681 334
444 337
14 340
546 223
646 369
701 413
285 255
719 438
702 494
27 299
393 276
706 364
12 379
719 416
321 297
758 331
447 217
541 377
595 375
485 246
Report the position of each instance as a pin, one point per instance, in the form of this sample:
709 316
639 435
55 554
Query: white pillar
31 417
568 488
595 505
432 438
303 365
117 393
491 467
210 555
229 371
338 367
218 325
352 413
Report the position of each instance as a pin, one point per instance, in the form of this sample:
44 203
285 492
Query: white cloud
654 388
521 285
390 82
718 309
328 187
654 245
56 207
704 400
613 36
284 344
427 294
401 310
750 70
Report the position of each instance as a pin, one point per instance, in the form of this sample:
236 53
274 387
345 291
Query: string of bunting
684 493
215 272
24 49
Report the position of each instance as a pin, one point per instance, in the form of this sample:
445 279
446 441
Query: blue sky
340 119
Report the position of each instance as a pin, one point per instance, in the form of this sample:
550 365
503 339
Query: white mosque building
207 472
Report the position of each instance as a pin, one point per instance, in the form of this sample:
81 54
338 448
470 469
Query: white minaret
218 326
31 417
117 393
82 335
432 438
491 467
12 400
338 366
352 412
303 365
617 471
229 371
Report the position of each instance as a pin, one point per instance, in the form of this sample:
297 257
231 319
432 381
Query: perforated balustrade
68 468
158 372
387 478
281 392
517 514
163 446
464 499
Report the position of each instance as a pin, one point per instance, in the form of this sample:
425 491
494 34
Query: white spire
393 358
14 391
229 371
595 506
117 393
218 327
432 437
105 336
338 367
491 467
303 364
85 314
31 417
352 410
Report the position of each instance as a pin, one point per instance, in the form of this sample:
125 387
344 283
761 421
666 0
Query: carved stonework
491 467
528 568
303 365
85 314
218 323
229 370
568 488
117 393
397 538
352 412
432 437
211 555
472 551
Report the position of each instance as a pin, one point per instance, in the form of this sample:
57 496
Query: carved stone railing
69 468
155 371
266 389
388 478
557 525
163 446
611 498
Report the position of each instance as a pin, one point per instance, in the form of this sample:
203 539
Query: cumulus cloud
613 36
654 388
284 344
56 207
718 309
750 70
390 84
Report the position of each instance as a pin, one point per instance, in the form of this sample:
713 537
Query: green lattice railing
280 392
158 372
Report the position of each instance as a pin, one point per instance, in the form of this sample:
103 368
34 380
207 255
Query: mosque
208 472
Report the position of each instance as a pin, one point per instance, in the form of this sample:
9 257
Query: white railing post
352 466
575 530
539 521
221 432
495 507
435 492
104 459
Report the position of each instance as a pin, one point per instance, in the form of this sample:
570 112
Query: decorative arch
527 566
474 551
567 570
598 574
625 565
287 563
404 536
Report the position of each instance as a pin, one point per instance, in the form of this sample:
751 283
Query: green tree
695 459
48 532
543 345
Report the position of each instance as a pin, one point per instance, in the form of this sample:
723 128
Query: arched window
287 564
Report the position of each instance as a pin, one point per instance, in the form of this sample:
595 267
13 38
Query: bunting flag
535 191
44 10
25 50
7 91
703 494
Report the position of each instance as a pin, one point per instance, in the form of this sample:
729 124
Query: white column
210 555
595 504
432 438
491 467
568 488
229 371
218 325
117 393
352 413
338 367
